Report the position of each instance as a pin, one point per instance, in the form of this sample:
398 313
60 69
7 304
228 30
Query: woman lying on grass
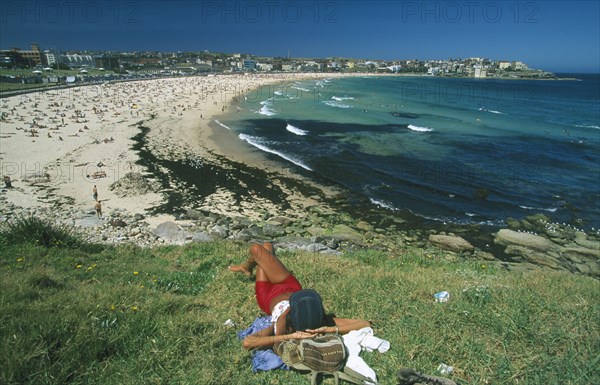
296 313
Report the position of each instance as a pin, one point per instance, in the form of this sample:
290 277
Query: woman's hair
327 321
306 309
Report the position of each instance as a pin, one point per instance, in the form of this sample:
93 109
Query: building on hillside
50 58
249 65
75 60
520 66
504 65
264 67
21 58
479 72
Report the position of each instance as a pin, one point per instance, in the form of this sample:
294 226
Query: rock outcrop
451 243
528 243
132 184
575 251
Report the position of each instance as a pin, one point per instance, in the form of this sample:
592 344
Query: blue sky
559 36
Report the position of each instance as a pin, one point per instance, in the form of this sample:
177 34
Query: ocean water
452 150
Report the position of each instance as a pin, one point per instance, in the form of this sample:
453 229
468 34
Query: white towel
359 340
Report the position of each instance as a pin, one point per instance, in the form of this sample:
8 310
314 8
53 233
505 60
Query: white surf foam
221 124
552 209
490 111
340 98
266 108
382 204
300 88
334 103
419 129
296 130
587 126
256 142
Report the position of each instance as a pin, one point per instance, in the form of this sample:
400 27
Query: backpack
324 354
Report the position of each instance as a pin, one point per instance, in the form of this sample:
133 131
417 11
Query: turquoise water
452 150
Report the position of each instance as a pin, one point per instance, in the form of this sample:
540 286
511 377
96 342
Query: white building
504 65
50 57
76 60
518 65
264 66
480 72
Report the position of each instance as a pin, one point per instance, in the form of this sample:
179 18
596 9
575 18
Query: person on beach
296 313
98 208
7 181
95 193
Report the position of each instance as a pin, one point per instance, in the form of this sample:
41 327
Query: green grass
40 232
75 314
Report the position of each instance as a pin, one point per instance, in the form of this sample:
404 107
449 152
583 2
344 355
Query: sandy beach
57 145
167 172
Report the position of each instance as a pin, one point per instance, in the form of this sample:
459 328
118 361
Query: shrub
39 232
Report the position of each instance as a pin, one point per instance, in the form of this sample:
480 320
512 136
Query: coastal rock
89 221
364 226
581 240
513 224
294 230
132 184
256 232
194 214
535 257
451 243
202 237
273 231
316 231
243 235
117 223
339 233
279 221
485 255
568 249
237 226
304 244
170 232
219 232
509 237
582 253
481 194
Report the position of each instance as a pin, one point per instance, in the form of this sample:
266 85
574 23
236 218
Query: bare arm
342 326
346 325
265 338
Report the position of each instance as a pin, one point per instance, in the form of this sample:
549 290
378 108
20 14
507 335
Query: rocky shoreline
210 197
525 244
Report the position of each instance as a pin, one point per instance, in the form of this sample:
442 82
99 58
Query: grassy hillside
74 313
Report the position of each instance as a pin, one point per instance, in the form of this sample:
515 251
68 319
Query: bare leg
269 269
243 268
